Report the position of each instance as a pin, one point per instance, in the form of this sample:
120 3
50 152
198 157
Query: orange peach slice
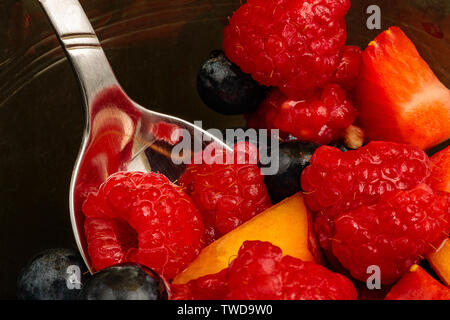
286 225
440 261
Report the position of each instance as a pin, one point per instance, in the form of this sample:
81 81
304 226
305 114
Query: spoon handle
81 45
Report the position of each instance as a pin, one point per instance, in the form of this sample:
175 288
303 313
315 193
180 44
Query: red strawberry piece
320 119
293 45
349 67
169 228
440 174
417 284
261 272
227 194
399 97
394 234
109 241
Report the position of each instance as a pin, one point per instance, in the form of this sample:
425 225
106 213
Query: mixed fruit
354 189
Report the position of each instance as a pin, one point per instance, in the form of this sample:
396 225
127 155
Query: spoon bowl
120 135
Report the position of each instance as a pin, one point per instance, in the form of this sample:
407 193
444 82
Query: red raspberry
347 72
320 119
227 195
209 287
336 181
109 241
375 207
154 207
261 272
295 45
393 234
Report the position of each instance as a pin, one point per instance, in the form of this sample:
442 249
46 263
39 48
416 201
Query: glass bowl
155 47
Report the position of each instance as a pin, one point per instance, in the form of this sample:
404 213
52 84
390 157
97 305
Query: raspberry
374 207
153 207
347 72
336 182
320 119
393 234
295 45
227 195
109 241
210 287
261 272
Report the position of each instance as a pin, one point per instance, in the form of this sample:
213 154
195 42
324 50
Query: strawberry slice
418 285
440 174
399 96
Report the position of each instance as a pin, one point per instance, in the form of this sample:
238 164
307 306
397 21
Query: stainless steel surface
118 130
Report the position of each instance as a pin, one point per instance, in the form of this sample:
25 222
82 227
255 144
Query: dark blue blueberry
293 157
55 274
125 282
340 145
225 88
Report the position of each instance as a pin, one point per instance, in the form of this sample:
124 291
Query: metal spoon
119 133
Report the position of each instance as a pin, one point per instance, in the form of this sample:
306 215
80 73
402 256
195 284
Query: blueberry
293 157
55 274
125 282
225 88
340 145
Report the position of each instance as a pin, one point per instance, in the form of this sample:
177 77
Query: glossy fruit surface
227 193
225 88
293 157
338 181
293 45
440 261
418 285
286 225
262 272
349 67
399 97
153 207
440 174
109 241
125 282
397 232
55 274
322 118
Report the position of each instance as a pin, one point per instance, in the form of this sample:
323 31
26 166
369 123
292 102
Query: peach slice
286 225
440 261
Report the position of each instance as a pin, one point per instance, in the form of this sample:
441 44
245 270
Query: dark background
155 48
